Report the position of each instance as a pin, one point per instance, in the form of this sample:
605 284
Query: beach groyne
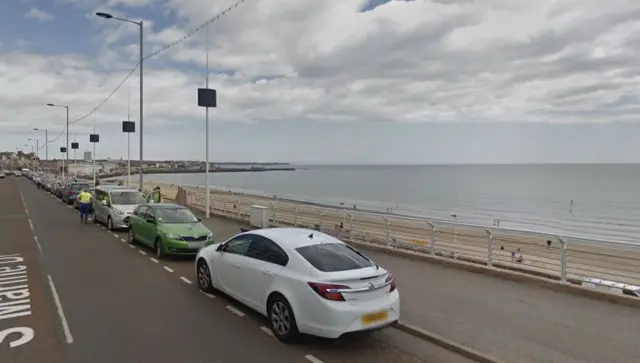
566 259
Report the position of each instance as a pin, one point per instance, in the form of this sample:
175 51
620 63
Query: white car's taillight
391 279
326 290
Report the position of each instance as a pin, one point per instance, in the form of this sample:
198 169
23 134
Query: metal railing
566 259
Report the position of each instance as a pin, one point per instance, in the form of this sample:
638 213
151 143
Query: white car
304 281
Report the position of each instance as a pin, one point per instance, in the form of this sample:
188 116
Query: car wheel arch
277 293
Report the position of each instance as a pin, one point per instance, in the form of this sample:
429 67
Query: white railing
552 256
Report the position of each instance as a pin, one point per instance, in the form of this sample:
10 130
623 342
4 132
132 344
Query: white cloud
419 61
35 13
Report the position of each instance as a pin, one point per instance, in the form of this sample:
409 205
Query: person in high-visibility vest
85 204
157 195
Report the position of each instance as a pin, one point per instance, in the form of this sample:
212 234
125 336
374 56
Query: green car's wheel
131 238
159 248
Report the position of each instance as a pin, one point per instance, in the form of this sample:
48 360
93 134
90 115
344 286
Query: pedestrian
157 195
85 203
548 243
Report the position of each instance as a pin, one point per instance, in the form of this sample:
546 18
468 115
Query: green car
169 229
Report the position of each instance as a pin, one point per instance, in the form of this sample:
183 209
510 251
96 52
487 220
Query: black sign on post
128 126
94 138
75 146
207 97
63 149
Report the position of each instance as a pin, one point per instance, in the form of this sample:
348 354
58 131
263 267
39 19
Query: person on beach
548 243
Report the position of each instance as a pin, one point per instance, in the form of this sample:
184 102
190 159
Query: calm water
606 198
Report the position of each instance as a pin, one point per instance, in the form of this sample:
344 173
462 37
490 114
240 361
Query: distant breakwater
198 171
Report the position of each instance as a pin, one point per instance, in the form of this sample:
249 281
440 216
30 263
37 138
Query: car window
176 215
149 213
333 257
140 211
238 245
266 250
127 197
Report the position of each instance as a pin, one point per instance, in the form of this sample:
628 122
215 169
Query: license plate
373 318
195 245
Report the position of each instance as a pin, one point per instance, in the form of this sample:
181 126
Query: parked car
112 205
70 192
304 281
169 229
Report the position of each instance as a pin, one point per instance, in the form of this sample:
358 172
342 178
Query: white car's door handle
237 265
267 273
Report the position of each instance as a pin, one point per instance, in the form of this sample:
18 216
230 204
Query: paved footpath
93 299
509 320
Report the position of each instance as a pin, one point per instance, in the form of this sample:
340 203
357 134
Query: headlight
173 236
210 235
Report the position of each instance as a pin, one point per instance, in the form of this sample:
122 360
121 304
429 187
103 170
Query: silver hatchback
112 205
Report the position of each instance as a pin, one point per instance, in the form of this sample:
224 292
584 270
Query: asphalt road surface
89 297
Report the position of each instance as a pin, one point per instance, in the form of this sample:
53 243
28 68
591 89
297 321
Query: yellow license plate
372 318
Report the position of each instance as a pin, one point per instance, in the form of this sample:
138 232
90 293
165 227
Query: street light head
50 104
104 15
36 129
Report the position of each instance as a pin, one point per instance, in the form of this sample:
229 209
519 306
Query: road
94 298
509 320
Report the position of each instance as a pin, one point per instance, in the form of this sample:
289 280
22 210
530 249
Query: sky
330 81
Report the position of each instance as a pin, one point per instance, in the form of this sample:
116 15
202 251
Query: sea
593 201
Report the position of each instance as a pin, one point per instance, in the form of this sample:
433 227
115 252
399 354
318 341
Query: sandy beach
517 250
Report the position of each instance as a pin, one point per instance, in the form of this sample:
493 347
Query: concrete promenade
516 322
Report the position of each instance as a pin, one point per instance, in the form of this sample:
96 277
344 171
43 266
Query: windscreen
128 197
334 257
175 215
77 187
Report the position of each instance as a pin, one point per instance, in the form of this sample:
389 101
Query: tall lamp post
46 142
37 145
128 127
141 25
66 149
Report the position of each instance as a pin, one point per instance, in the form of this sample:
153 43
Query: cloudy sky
326 81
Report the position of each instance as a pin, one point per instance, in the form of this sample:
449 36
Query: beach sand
467 243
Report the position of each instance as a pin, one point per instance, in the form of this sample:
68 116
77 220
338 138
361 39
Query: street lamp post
46 142
67 148
141 25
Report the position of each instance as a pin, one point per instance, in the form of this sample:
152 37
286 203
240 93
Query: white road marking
132 246
102 227
185 279
115 235
313 359
210 296
142 252
267 331
63 319
35 238
235 311
123 240
168 269
153 259
26 210
31 226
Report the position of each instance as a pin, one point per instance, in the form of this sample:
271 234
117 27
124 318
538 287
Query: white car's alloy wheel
280 318
204 276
